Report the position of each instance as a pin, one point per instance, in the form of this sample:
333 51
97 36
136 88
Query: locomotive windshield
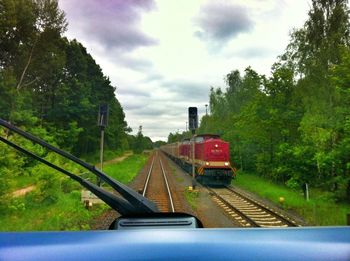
199 139
94 114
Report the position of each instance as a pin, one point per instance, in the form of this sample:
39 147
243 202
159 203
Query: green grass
191 197
177 178
107 155
24 181
320 210
68 213
124 171
21 182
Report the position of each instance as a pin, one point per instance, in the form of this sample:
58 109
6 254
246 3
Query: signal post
193 125
102 123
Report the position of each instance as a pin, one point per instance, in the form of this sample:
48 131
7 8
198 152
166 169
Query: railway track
247 211
147 185
156 186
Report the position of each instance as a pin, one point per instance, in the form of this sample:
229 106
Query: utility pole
206 110
186 125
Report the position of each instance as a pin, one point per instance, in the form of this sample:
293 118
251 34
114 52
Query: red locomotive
211 158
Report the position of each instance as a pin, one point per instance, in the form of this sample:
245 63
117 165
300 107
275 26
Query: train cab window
148 117
199 139
186 141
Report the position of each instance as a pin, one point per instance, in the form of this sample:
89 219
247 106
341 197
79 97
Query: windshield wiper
132 203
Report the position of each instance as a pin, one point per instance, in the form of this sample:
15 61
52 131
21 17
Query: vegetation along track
156 187
249 212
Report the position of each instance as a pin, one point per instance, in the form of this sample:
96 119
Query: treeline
51 87
48 81
139 143
293 126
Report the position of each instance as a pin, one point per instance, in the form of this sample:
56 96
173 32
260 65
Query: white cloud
149 50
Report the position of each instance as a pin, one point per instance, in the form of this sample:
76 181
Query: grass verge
124 171
21 182
191 197
107 155
320 210
67 213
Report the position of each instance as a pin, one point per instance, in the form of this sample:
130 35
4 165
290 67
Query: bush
293 184
68 185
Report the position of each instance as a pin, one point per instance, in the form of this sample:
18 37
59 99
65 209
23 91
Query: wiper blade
133 203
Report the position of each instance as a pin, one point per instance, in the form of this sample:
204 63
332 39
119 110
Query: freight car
211 158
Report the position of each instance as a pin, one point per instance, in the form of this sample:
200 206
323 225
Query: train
142 222
211 158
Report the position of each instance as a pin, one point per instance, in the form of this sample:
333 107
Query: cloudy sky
163 56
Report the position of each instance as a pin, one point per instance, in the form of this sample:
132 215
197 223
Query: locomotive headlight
216 145
207 163
227 163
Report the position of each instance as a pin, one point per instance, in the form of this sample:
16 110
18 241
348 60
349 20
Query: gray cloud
130 62
160 128
132 107
162 116
253 52
180 94
156 110
152 111
132 92
120 37
222 21
153 77
111 23
188 91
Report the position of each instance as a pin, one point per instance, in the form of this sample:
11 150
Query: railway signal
103 114
193 125
193 119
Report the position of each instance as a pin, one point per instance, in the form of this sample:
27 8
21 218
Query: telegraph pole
206 110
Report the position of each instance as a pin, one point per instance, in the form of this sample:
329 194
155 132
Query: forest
52 87
293 126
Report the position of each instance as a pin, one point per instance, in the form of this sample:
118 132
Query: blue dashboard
322 243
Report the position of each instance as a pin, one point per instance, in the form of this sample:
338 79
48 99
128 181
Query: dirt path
117 159
23 191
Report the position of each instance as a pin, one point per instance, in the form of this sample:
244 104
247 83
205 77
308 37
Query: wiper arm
133 203
122 206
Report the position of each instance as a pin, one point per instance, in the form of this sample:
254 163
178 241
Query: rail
157 190
248 212
287 220
167 186
148 176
